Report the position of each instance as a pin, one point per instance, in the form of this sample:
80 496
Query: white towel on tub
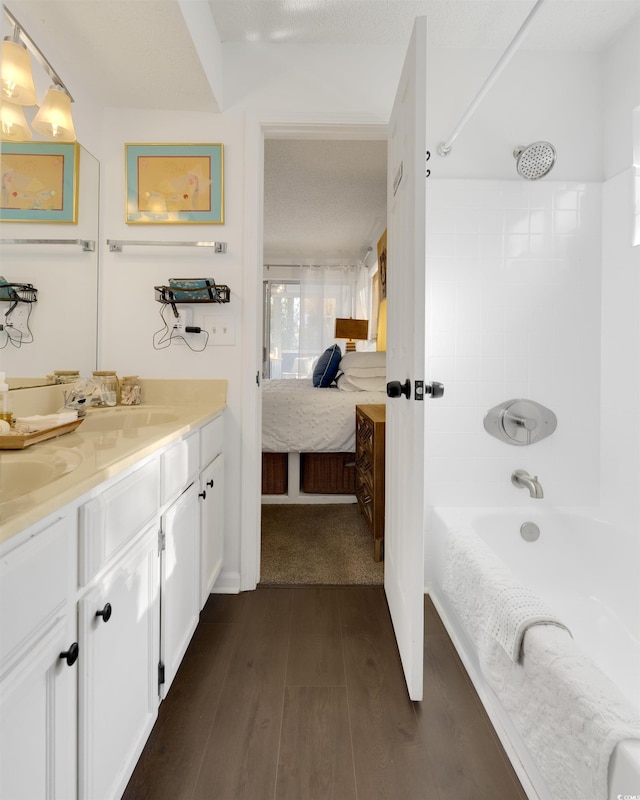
514 610
567 711
489 600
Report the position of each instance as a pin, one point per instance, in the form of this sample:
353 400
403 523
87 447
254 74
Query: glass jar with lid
130 391
109 386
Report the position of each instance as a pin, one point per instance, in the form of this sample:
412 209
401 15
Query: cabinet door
180 581
211 525
119 626
38 727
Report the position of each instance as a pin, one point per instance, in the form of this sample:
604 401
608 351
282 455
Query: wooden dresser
370 423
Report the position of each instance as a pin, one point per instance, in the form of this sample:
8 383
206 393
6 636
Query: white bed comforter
298 417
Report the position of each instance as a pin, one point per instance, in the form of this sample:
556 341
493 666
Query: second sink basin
126 417
23 472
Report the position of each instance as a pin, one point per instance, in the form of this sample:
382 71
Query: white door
404 511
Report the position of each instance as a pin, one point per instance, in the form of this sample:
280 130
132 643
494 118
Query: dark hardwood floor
298 694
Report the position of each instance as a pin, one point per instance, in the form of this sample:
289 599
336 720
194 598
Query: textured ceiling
324 201
561 24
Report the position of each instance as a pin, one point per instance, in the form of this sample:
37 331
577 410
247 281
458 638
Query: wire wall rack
18 293
171 295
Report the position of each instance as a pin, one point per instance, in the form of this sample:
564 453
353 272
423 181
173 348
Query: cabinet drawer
180 465
108 521
211 441
35 581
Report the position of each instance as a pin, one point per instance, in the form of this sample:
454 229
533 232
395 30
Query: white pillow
356 384
369 358
366 372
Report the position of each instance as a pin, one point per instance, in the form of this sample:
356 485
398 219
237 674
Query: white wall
621 289
549 96
513 312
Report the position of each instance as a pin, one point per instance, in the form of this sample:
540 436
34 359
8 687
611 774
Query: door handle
395 389
434 390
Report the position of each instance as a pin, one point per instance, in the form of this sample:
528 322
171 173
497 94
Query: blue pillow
327 367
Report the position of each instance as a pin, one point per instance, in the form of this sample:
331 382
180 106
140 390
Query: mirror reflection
59 330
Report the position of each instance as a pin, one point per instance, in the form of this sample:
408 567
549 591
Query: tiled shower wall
513 275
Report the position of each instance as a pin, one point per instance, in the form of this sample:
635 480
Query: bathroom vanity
103 572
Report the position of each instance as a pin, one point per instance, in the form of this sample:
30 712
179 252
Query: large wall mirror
59 331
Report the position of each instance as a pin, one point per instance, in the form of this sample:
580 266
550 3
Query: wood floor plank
390 758
172 755
316 656
316 761
241 754
468 761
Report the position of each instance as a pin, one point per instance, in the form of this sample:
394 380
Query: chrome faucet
76 400
523 480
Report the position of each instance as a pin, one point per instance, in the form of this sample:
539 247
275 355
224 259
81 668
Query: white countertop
97 455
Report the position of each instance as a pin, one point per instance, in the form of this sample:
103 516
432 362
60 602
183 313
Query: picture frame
39 182
174 184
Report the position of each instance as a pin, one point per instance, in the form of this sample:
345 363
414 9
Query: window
281 337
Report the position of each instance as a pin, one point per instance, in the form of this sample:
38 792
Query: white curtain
327 293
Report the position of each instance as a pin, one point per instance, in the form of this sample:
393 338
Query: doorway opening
324 207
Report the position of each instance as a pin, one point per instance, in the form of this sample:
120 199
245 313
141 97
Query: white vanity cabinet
38 687
118 613
119 634
211 505
98 604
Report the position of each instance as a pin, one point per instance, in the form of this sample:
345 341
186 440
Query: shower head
535 160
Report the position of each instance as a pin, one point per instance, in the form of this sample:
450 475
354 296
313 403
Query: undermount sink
126 417
22 472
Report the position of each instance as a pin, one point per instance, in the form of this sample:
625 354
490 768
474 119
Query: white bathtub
587 572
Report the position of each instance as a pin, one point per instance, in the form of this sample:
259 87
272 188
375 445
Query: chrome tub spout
523 480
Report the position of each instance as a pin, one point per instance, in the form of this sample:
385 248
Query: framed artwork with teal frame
174 184
39 182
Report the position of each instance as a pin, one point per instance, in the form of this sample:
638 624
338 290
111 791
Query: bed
308 432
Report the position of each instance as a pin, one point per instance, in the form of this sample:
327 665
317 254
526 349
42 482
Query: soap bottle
5 400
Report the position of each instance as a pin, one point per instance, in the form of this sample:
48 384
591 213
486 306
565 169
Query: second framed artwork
170 184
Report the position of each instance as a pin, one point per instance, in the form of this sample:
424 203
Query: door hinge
162 540
160 673
418 390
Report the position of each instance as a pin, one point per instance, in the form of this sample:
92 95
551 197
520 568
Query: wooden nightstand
370 424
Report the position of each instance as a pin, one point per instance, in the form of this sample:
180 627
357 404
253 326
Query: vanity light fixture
54 119
13 124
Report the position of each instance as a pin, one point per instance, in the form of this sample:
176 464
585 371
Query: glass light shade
13 124
54 119
15 73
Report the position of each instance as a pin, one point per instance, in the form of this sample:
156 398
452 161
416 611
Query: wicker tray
16 441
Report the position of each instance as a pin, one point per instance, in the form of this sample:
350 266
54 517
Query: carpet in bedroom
317 544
